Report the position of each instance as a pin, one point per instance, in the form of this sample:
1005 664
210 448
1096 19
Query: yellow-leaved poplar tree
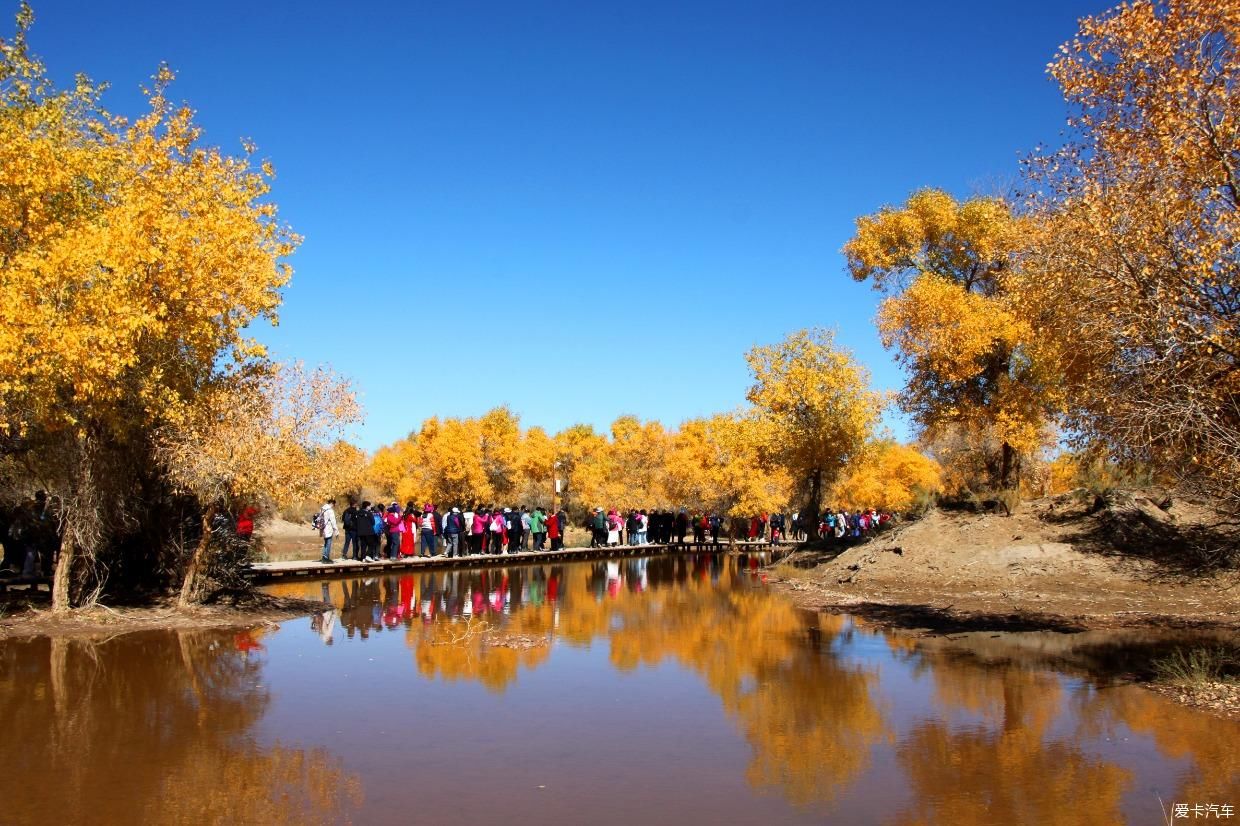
133 260
950 315
722 464
816 405
275 439
1137 269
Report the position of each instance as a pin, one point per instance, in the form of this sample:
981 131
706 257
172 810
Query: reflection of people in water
323 624
638 579
613 578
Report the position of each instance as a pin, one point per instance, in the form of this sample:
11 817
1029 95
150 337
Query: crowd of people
373 532
858 523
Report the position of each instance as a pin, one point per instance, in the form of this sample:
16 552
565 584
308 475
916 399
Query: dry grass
1198 666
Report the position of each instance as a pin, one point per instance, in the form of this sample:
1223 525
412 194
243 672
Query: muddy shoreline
935 610
103 621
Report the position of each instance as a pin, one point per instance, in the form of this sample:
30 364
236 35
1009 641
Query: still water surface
676 690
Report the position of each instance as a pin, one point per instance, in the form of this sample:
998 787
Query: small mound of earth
1052 557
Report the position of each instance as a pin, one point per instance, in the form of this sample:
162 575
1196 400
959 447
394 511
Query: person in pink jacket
395 526
499 532
478 530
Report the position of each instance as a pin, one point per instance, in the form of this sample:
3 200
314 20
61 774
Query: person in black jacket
516 529
777 528
348 521
364 525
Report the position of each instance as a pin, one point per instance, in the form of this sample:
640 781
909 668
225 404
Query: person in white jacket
326 523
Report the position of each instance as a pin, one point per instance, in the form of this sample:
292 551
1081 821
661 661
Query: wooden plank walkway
31 583
313 569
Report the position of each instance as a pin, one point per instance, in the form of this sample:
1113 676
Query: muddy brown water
675 690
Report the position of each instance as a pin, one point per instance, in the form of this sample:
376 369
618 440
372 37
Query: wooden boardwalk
30 583
266 571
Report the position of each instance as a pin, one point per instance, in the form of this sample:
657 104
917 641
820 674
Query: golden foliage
719 464
814 405
713 464
970 356
132 259
1134 275
889 477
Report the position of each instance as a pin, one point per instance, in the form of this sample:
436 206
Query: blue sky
582 209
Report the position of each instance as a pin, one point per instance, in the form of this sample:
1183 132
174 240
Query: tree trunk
61 598
815 503
190 584
1009 475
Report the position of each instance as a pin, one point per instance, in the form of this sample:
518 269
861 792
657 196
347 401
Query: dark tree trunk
1009 468
61 579
190 585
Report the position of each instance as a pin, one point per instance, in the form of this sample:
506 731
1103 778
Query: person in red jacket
553 533
409 539
245 524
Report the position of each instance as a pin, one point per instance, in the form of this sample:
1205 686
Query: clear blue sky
582 209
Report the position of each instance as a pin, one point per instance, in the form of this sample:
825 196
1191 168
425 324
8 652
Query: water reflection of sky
664 691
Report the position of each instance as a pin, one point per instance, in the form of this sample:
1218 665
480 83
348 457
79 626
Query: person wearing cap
453 526
598 526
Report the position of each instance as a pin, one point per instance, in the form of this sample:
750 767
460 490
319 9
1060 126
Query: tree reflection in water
76 712
1007 740
809 716
1009 767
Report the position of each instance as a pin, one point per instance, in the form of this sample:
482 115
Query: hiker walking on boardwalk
325 521
453 527
538 527
598 525
516 529
614 525
553 532
364 526
348 521
499 532
393 526
409 538
478 531
430 527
